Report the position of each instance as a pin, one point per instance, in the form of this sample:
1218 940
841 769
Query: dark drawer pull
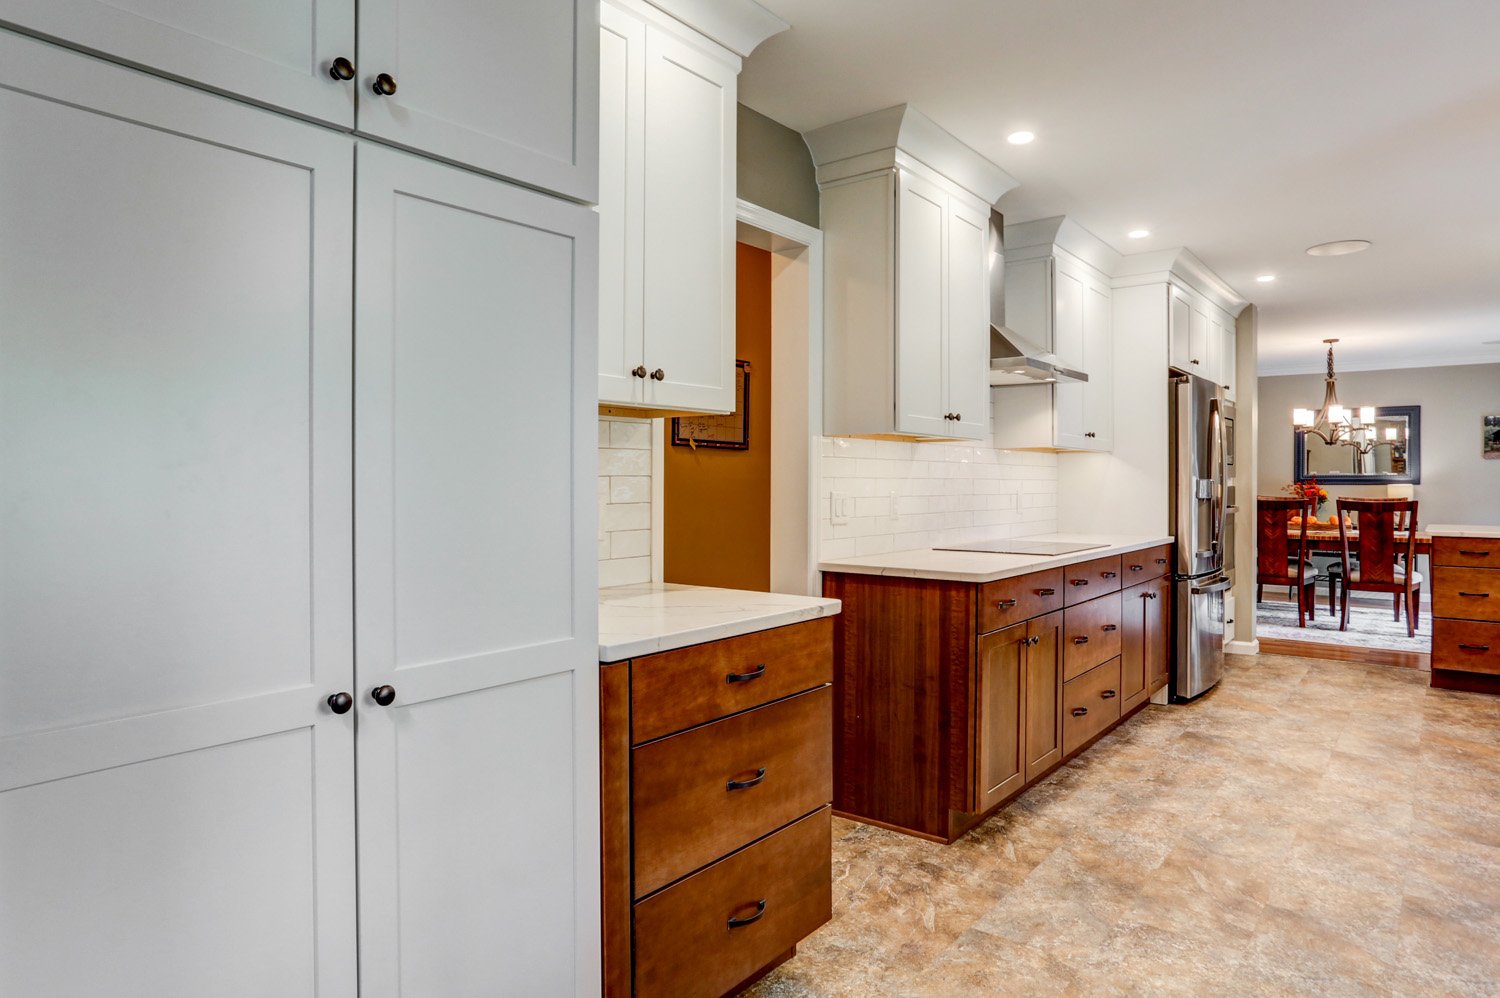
1005 604
1476 595
1108 695
745 677
1474 554
1137 568
1474 647
1110 627
760 774
1078 582
1046 592
1081 640
740 923
1108 575
1033 641
1080 711
1161 561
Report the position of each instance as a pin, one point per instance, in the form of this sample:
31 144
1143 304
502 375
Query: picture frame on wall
730 432
1490 437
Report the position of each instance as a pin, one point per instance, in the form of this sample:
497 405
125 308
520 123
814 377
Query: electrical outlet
838 508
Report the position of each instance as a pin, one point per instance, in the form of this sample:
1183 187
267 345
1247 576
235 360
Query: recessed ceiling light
1020 138
1266 278
1138 233
1339 247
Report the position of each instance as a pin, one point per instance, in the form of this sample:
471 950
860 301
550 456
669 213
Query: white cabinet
1225 339
1201 338
966 340
176 796
474 387
507 88
667 215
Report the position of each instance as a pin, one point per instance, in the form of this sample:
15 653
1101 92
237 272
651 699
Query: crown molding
1385 363
1180 266
1042 236
883 139
738 25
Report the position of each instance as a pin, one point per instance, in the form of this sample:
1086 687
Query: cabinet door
921 229
1135 666
622 138
176 801
1001 754
688 253
1158 623
1226 355
270 53
1044 695
1099 358
1180 329
967 353
476 585
509 88
1070 412
1201 342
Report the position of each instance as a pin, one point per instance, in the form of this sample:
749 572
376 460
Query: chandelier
1350 426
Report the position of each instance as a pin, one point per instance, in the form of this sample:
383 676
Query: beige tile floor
1309 827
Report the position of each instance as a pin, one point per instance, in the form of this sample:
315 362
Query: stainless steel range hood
1015 360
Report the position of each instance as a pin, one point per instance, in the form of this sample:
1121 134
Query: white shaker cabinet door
1099 351
1180 329
921 293
176 808
622 128
968 340
510 88
1070 399
275 52
476 585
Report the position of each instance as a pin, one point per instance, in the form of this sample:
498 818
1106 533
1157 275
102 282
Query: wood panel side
614 781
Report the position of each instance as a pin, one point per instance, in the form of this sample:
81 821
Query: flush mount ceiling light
1138 233
1266 278
1339 247
1020 138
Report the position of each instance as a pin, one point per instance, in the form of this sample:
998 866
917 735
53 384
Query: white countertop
1462 530
966 566
639 620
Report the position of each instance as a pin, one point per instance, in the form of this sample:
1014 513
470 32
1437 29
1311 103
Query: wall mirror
1387 452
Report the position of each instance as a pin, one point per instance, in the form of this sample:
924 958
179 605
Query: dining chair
1281 561
1379 559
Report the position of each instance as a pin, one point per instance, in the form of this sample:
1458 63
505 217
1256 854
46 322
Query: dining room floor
1372 624
1307 827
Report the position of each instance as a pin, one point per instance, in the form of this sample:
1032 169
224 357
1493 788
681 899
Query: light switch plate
838 508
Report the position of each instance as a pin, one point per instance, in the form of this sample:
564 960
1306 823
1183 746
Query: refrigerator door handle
1214 587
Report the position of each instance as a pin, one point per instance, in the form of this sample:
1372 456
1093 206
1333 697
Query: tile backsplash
626 465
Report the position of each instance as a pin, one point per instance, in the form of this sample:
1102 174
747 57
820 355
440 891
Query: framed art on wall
1490 440
728 432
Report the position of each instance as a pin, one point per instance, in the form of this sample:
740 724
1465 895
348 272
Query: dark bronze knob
340 703
958 417
385 86
341 69
1091 433
1195 362
639 370
658 375
383 695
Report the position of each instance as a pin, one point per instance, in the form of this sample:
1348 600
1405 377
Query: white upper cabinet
279 53
667 124
1200 337
906 340
1226 353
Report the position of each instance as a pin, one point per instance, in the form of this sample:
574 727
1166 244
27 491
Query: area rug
1370 626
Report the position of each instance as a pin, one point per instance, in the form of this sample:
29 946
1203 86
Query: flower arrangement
1308 490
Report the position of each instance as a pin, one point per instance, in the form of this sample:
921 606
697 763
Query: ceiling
1246 131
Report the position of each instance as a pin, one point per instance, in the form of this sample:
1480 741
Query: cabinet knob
1195 362
639 371
1091 433
340 703
383 695
341 69
385 86
1080 711
739 923
958 417
658 375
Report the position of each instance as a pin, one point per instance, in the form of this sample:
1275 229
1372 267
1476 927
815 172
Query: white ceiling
1246 131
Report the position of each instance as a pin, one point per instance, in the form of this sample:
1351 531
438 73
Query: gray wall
775 168
1458 485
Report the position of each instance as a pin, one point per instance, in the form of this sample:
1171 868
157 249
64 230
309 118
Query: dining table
1326 538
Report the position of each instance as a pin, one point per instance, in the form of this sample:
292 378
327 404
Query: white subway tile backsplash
625 496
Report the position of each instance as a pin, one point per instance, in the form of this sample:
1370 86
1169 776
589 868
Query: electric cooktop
1023 546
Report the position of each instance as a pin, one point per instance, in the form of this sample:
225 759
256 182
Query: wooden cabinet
666 213
717 770
1146 612
1466 613
947 707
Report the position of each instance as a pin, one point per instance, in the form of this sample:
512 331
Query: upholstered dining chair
1379 560
1281 561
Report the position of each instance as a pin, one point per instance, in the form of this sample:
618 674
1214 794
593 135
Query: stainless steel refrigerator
1202 455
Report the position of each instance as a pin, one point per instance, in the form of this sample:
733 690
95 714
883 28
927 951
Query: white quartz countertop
967 566
640 620
1462 530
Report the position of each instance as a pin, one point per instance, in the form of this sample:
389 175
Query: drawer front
1143 566
680 689
1091 635
1466 593
1011 601
1466 645
1090 579
702 794
1091 703
1466 552
684 942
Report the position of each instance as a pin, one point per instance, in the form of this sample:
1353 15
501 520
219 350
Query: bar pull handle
760 774
1082 639
1080 711
1078 582
1476 595
1474 647
740 923
1110 627
745 677
1474 554
1004 604
1108 695
1046 592
1108 575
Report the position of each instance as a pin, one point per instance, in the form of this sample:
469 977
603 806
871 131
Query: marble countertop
1462 530
966 566
640 620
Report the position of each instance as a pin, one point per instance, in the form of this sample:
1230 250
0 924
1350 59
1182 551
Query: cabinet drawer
706 792
1089 579
1091 703
1466 594
690 686
1466 552
1466 645
684 942
1142 566
1091 635
1010 601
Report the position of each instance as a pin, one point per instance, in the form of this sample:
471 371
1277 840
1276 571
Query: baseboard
1346 653
1242 647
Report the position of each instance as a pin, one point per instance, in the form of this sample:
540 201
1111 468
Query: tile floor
1309 827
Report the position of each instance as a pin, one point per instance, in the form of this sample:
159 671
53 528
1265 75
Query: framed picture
1490 445
731 432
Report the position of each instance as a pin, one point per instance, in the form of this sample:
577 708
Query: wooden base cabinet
1466 613
1146 613
1017 702
717 773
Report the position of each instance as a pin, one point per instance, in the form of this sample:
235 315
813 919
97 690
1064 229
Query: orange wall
717 512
